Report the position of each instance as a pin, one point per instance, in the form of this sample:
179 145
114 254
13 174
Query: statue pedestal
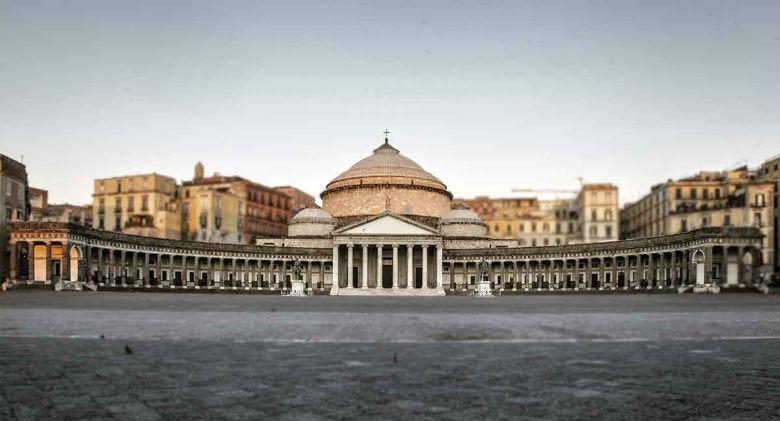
482 289
298 288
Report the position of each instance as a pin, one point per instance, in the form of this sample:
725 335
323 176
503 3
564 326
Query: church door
387 276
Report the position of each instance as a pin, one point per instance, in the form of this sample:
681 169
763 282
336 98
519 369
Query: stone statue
297 269
484 268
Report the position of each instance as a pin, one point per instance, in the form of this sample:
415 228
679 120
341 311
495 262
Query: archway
39 255
747 267
75 256
698 259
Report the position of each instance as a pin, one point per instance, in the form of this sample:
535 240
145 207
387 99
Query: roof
386 161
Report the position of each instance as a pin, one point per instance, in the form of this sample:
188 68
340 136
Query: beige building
770 172
80 215
589 217
143 204
266 211
735 198
597 209
212 214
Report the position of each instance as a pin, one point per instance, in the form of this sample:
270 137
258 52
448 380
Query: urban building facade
14 204
145 204
732 198
80 215
39 203
591 216
299 198
265 211
770 172
386 227
212 214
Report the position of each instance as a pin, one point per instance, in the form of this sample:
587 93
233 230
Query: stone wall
372 200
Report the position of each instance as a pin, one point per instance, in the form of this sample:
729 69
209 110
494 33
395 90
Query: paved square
201 356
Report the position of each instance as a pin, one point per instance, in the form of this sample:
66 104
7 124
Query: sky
486 95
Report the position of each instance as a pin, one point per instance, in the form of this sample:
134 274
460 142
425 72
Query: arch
698 259
40 257
75 257
23 256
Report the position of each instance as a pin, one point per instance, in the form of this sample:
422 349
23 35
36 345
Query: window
119 186
727 220
117 224
717 193
593 215
683 225
509 229
693 193
608 215
131 204
594 231
8 213
609 231
102 188
118 204
705 194
760 200
546 227
546 241
533 226
757 219
704 221
145 203
101 224
557 227
8 187
678 194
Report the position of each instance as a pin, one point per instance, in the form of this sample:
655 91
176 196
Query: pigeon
102 337
128 351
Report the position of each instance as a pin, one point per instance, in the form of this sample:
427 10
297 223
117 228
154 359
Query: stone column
395 266
65 263
708 265
640 271
614 272
158 269
379 266
602 276
87 264
12 263
48 263
111 272
651 271
145 269
364 258
335 275
439 267
576 275
410 266
196 277
308 275
31 262
349 266
425 266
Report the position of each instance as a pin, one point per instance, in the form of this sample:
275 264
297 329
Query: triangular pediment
387 224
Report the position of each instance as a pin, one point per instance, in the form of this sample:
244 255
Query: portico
387 255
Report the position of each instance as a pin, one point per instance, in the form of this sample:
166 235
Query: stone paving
444 373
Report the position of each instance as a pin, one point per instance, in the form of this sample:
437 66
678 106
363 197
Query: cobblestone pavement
575 357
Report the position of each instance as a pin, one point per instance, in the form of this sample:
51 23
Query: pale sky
487 96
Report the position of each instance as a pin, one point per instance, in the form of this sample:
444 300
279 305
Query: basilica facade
386 227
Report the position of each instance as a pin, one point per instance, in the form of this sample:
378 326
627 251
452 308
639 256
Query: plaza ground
214 356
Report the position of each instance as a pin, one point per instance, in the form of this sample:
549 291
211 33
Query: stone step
401 292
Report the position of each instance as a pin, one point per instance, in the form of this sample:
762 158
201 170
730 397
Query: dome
386 161
462 222
386 181
312 220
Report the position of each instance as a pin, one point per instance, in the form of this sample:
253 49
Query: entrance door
74 264
700 273
418 277
355 279
39 254
732 274
387 276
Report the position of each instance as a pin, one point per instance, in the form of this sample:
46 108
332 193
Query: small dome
312 220
462 222
312 214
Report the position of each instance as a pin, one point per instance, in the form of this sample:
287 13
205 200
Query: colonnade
394 266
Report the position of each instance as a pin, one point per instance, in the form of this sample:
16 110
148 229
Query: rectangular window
717 193
678 194
727 220
131 204
693 193
8 214
144 203
705 194
8 187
